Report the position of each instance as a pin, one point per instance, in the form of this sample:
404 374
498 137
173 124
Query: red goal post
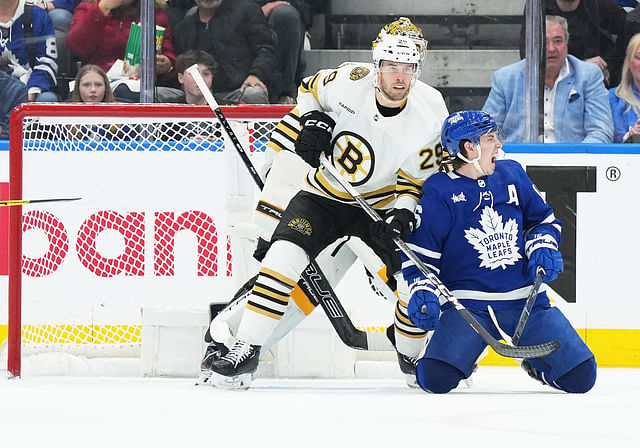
146 173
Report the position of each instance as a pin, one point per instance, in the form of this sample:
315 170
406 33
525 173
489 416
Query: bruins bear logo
301 225
358 73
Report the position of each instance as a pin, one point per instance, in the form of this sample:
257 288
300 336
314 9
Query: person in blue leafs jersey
28 49
484 229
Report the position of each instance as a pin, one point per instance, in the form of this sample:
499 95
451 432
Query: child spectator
91 86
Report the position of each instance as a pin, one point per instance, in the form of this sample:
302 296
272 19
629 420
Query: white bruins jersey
384 158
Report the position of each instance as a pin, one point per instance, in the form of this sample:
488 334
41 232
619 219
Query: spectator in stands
236 34
599 32
92 86
12 94
576 108
21 46
206 66
191 94
176 10
625 98
60 12
285 18
99 33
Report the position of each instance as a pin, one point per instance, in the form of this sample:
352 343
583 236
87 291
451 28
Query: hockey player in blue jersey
484 229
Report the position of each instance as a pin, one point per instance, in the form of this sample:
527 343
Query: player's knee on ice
437 376
580 379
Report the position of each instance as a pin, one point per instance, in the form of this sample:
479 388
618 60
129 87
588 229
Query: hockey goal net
159 186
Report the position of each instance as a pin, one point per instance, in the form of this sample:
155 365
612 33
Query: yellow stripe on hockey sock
281 298
411 335
301 299
405 320
263 312
286 280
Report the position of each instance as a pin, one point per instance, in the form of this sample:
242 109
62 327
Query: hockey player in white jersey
379 125
286 177
485 230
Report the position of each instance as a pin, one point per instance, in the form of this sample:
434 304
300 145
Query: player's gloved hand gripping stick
509 351
313 281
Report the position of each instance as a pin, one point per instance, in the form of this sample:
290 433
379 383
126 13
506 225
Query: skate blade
240 382
203 378
411 381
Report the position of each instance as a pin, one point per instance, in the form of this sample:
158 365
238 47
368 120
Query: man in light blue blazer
576 104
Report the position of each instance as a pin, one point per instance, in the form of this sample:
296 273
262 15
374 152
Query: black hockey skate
214 351
408 368
534 373
234 370
407 363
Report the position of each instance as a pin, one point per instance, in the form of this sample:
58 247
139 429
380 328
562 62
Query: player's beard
392 94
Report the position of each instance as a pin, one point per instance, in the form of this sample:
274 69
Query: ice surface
503 407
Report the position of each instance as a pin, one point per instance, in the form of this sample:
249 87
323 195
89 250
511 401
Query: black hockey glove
315 137
397 223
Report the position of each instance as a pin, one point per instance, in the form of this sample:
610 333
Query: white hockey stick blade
503 333
206 92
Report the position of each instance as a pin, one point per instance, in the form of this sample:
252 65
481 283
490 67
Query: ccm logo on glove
319 124
315 137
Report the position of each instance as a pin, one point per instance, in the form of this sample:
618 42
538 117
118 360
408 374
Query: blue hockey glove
424 305
397 223
315 137
549 259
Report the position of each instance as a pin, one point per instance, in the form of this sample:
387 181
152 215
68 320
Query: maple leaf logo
496 243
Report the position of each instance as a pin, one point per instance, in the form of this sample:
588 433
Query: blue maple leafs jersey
14 53
472 232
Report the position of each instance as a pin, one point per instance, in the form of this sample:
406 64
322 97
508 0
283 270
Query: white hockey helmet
405 28
396 49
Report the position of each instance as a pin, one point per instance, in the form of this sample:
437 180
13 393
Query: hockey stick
313 282
524 317
9 203
509 351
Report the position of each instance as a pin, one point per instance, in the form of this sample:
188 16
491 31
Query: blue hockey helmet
465 125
